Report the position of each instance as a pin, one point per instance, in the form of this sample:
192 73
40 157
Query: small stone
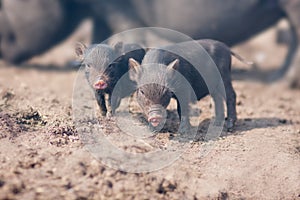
282 121
39 190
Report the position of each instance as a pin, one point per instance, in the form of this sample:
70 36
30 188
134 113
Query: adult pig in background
232 22
30 27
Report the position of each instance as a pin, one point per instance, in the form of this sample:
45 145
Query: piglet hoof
184 126
103 113
218 122
109 115
184 130
230 123
153 129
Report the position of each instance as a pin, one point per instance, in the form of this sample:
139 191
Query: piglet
154 96
104 66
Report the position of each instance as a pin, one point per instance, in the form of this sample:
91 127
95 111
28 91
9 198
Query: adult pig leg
1 25
292 7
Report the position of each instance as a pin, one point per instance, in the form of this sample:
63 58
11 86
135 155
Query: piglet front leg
112 104
183 111
101 103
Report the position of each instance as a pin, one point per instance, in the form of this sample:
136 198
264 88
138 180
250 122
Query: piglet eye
112 65
87 66
142 92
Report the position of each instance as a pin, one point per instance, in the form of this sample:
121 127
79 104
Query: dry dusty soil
43 157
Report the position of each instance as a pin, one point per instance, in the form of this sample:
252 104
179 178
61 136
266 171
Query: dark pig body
104 67
153 98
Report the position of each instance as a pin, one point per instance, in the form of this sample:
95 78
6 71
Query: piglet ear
134 67
133 64
173 65
79 50
118 48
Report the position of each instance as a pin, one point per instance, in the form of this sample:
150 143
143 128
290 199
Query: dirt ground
42 156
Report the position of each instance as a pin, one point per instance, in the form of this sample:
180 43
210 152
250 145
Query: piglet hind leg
219 109
230 104
231 107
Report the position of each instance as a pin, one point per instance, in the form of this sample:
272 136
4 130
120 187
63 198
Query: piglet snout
100 85
154 121
157 115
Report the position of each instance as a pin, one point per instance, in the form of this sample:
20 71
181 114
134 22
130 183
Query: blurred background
45 27
267 50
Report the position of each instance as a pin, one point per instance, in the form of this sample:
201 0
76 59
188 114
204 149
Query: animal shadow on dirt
256 74
246 124
242 125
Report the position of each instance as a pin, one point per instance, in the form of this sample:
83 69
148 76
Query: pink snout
100 85
155 121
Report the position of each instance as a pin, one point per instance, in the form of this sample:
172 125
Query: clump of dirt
30 118
8 95
9 127
12 124
223 196
2 183
13 188
5 97
31 161
62 134
63 130
298 149
166 186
